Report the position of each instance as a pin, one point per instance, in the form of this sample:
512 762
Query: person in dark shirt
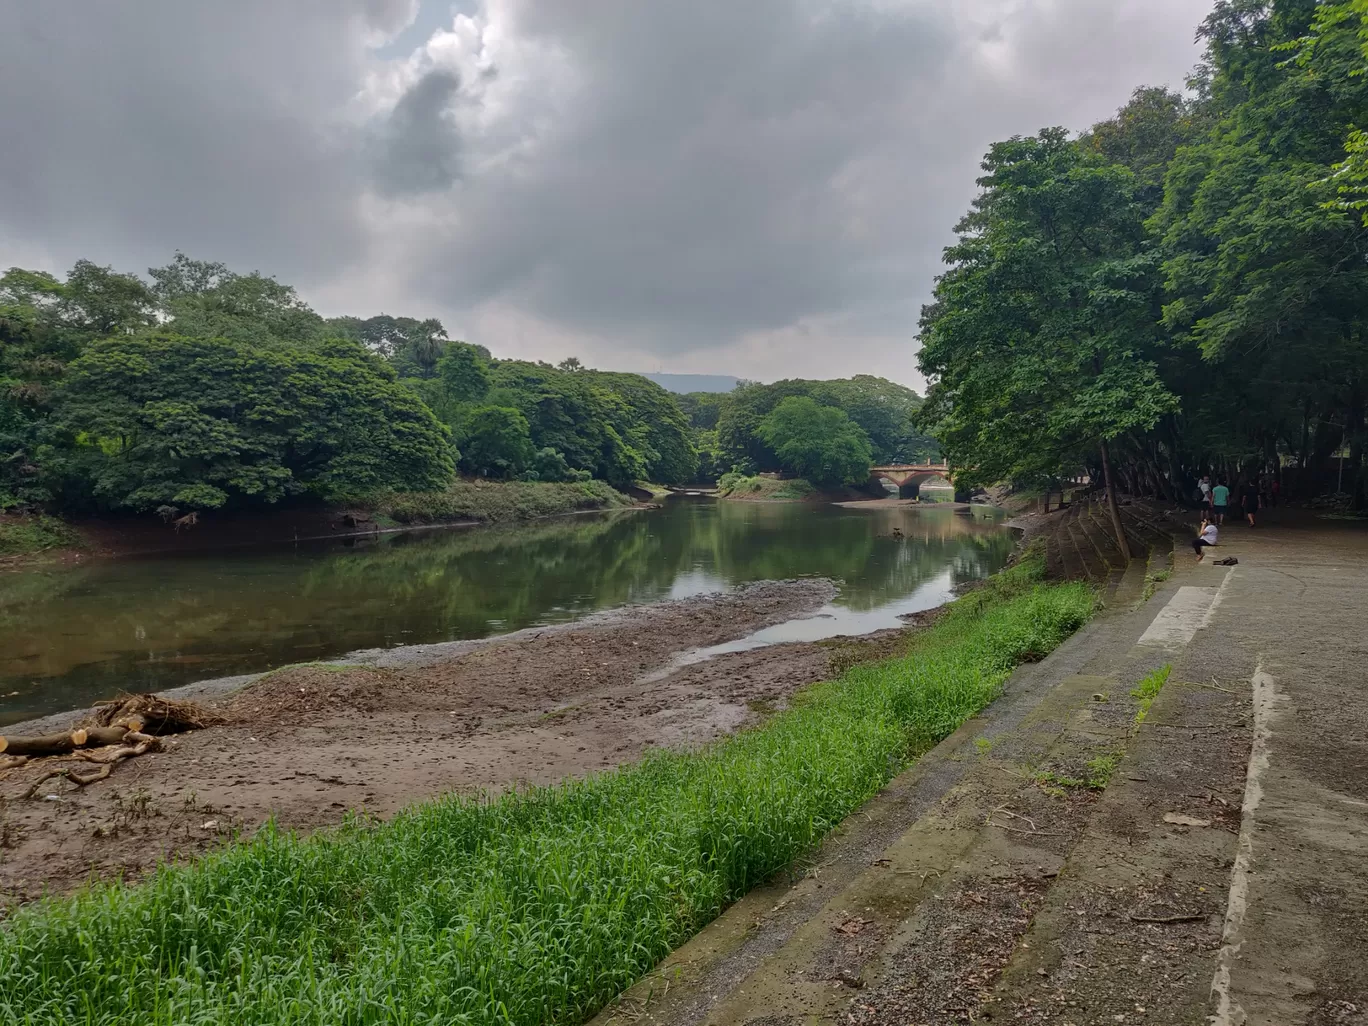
1249 498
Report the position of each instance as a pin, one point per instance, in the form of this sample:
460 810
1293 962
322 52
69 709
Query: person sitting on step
1207 537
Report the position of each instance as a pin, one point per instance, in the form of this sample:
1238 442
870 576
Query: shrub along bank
30 535
498 500
739 486
534 907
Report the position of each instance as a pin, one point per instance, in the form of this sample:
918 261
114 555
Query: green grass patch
29 535
1097 774
1100 770
659 493
736 486
1152 582
530 908
492 501
1148 690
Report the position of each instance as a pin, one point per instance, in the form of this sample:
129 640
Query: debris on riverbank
311 925
308 743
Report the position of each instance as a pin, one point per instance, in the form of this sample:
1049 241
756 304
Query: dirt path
308 743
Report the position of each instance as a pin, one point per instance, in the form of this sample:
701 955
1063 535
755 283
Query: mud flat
308 743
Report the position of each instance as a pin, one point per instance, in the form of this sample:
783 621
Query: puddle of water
831 621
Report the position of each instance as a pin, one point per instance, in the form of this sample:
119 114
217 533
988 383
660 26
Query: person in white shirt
1207 538
1204 486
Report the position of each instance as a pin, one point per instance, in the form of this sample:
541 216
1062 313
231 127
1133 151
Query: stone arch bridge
909 477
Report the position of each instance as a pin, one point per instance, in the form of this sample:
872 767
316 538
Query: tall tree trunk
1167 488
1112 505
1354 427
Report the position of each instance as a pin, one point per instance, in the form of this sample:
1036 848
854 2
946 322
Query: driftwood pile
127 727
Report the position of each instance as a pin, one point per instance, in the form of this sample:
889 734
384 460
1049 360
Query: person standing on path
1204 486
1207 538
1220 498
1250 499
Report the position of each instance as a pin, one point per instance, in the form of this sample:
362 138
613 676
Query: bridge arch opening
910 479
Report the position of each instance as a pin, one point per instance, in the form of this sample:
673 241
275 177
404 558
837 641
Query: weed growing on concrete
1148 690
1152 581
534 907
1098 774
1100 770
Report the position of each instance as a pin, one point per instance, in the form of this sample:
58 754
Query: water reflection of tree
157 623
858 548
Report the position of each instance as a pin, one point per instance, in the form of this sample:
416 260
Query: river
75 635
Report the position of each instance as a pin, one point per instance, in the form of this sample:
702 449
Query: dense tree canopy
883 410
621 428
164 420
200 387
1043 330
1186 282
819 443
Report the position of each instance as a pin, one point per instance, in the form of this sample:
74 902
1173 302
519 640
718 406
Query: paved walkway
1293 617
1221 876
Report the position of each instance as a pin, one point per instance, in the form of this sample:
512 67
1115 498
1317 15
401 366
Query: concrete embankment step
1130 931
1095 568
920 901
1131 586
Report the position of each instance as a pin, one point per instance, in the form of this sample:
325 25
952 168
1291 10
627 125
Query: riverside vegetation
533 907
1179 290
201 389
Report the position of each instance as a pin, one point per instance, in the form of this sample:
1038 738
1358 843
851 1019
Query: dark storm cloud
727 168
417 145
132 128
709 181
652 175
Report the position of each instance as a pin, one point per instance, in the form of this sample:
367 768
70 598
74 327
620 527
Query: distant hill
682 383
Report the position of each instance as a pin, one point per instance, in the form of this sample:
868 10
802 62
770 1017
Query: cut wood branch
138 744
62 744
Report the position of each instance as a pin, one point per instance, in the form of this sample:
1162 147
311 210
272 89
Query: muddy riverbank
308 743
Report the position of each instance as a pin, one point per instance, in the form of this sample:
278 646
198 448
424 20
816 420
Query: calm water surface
72 636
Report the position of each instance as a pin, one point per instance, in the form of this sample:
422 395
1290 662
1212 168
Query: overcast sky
750 187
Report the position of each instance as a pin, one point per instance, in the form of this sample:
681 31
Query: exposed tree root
108 759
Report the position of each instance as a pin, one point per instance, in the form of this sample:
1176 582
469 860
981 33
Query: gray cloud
756 186
418 148
131 129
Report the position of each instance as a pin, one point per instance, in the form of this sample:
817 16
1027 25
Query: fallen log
63 744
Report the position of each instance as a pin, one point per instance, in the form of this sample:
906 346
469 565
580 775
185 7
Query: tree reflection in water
141 624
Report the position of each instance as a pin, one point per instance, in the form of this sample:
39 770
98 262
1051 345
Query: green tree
1041 335
202 423
817 442
1144 136
464 373
1265 271
497 443
204 299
